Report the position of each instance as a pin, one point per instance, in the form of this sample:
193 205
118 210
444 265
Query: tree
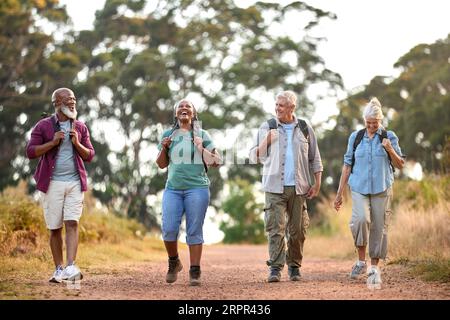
244 223
33 64
213 50
415 105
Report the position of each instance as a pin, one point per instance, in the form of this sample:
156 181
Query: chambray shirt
306 157
372 172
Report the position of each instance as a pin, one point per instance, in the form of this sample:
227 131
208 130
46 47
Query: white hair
290 96
373 110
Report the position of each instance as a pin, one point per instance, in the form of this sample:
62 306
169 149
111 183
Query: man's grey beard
69 114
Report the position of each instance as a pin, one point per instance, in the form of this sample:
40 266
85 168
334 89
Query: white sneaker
57 275
358 269
71 273
374 278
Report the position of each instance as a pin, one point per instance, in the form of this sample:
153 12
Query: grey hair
290 96
373 110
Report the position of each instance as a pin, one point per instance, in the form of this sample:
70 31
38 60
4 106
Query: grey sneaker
294 273
57 275
175 266
274 275
71 273
358 270
374 278
194 276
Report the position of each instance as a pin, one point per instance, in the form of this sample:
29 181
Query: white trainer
57 275
374 278
358 269
71 273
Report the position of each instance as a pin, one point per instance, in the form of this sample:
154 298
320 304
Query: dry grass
105 240
419 232
420 238
329 235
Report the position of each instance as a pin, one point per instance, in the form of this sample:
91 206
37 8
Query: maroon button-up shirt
42 133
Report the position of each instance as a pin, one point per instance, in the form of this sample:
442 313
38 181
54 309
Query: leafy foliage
415 104
245 223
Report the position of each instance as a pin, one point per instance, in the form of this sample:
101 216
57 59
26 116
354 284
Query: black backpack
195 132
300 122
358 139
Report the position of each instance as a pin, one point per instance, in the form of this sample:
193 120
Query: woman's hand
166 143
198 142
387 145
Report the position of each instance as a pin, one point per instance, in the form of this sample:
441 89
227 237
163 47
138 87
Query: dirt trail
235 272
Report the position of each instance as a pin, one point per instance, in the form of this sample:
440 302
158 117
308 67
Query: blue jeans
175 203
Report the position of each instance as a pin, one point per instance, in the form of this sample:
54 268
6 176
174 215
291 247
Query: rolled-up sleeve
262 132
349 153
86 141
35 140
394 142
315 161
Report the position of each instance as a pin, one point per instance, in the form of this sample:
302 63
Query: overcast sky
367 38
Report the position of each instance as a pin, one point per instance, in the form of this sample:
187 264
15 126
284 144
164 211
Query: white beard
69 114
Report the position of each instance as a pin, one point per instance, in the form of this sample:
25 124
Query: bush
23 229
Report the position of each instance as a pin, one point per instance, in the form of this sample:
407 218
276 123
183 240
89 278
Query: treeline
143 56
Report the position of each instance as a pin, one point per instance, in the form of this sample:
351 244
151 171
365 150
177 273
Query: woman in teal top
187 151
372 153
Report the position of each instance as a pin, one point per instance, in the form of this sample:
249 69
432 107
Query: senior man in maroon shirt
62 145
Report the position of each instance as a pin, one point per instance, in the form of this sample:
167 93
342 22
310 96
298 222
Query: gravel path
235 272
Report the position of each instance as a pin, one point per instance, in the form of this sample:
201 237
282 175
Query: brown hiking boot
274 275
194 276
175 266
294 273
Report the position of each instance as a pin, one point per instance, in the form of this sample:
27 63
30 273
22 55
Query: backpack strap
300 122
358 139
56 126
196 133
272 124
382 136
304 128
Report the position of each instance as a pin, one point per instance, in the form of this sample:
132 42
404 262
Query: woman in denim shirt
370 181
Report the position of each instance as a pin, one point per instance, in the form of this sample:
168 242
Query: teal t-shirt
186 169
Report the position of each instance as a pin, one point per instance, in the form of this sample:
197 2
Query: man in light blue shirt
288 151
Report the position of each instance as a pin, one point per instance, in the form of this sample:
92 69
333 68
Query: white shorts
63 201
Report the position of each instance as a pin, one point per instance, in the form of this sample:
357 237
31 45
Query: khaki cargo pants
286 220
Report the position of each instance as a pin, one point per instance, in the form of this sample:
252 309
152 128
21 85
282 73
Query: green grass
437 269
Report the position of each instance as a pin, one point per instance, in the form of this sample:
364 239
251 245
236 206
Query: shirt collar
379 131
280 124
